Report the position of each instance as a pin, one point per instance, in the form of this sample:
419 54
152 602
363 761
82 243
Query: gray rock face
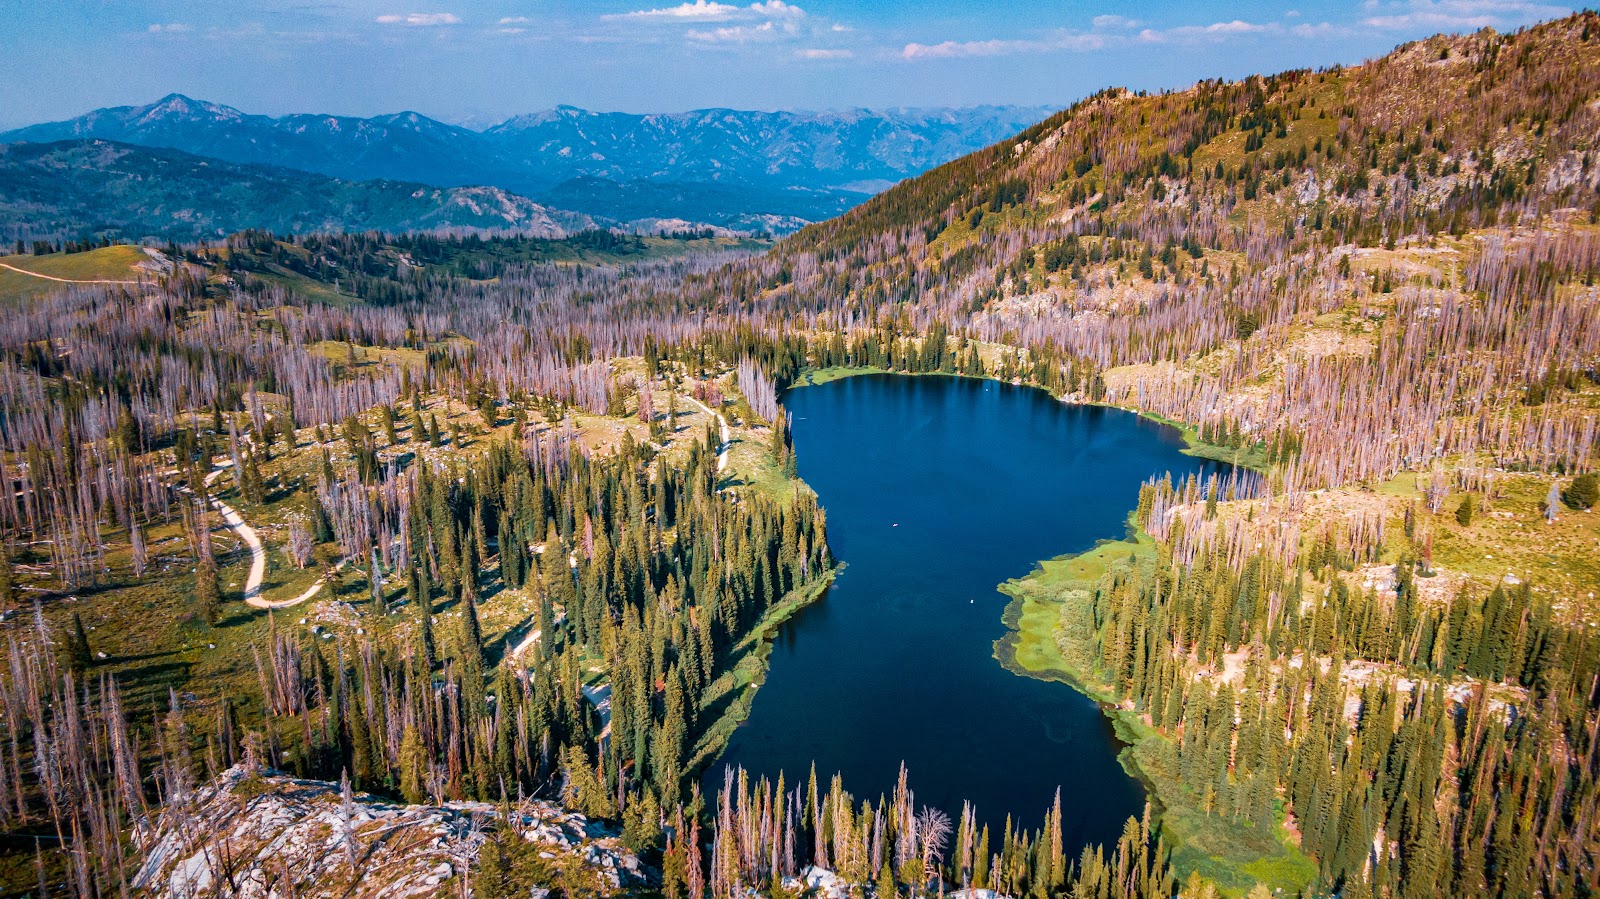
261 834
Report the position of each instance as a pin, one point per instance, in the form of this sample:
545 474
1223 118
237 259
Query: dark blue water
937 489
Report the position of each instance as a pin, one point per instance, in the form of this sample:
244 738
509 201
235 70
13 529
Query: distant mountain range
725 167
72 188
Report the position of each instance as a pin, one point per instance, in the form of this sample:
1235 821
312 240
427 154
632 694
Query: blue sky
480 61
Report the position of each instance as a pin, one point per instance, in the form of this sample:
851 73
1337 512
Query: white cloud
820 53
1113 23
1320 30
705 11
954 49
1066 41
1459 14
169 28
1104 33
761 21
777 9
1118 31
735 34
1216 31
513 20
698 11
420 19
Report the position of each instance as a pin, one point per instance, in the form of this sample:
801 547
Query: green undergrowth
752 466
114 263
1230 855
813 377
730 696
1253 457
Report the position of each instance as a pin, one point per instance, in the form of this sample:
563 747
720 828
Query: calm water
937 489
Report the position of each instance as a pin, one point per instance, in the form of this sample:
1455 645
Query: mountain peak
180 106
744 161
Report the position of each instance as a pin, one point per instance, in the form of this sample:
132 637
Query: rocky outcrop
256 833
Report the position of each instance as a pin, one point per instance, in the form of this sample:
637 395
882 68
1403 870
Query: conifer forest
447 562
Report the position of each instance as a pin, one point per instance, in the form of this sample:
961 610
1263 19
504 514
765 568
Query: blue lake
937 489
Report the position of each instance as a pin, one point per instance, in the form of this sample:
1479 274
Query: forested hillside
472 520
1267 252
747 170
76 188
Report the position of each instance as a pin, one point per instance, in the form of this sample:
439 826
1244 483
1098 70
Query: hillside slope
720 166
1374 262
72 187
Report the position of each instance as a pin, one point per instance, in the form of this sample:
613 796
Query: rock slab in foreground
262 834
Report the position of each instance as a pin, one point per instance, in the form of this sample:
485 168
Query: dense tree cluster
1226 217
1417 747
1381 725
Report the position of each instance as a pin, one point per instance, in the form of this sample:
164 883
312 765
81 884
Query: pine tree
8 589
423 655
79 657
207 589
1584 491
413 764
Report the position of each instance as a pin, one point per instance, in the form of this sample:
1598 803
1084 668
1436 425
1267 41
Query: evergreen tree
207 589
1584 491
79 657
8 590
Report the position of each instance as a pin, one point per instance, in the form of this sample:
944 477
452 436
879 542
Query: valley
1191 494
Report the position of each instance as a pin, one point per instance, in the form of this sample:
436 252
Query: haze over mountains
748 170
74 188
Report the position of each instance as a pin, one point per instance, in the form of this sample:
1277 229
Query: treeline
1419 749
640 569
399 269
1147 231
763 837
45 247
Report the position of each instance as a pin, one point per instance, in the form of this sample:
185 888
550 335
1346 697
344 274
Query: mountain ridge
752 157
70 188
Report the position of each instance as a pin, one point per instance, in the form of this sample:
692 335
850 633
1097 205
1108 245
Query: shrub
1584 492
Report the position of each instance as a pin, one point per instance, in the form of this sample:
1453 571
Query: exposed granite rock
263 834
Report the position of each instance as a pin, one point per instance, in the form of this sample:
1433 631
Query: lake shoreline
756 649
857 690
1043 594
1193 445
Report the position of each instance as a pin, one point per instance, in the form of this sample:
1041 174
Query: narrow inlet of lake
937 489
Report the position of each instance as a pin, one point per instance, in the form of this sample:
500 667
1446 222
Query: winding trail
727 434
533 637
23 271
258 555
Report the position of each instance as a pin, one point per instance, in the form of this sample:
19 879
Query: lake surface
937 489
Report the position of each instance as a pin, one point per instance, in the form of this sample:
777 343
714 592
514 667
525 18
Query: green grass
751 466
341 352
149 630
812 377
1232 856
105 264
306 288
1253 457
730 696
